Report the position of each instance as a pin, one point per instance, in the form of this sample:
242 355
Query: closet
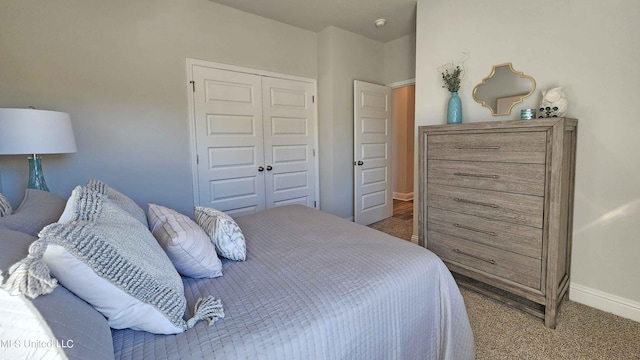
254 140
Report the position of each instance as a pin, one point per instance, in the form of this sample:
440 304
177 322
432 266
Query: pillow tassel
207 308
30 276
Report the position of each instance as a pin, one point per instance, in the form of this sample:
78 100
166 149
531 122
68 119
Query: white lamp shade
31 131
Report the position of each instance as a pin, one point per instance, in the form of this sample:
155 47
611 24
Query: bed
313 286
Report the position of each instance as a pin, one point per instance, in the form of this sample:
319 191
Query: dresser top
502 125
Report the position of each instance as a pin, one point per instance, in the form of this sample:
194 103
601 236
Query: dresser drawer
519 147
507 265
520 239
508 177
513 208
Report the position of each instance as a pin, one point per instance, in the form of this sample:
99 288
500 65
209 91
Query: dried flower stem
452 79
453 72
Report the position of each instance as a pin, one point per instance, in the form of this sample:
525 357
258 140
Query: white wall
591 48
344 57
400 59
119 68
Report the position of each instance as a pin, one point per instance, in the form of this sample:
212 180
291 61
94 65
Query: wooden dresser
496 204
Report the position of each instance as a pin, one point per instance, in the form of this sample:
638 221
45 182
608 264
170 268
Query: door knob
360 163
260 168
269 168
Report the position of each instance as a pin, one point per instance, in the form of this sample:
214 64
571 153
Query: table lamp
31 131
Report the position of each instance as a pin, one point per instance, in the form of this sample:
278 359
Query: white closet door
229 140
289 135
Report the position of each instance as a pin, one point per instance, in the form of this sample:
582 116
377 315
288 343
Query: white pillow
67 213
20 323
186 244
223 231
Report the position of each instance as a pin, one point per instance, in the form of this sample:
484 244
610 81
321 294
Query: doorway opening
403 148
402 144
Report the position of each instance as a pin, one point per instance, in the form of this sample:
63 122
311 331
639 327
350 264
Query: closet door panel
289 124
229 140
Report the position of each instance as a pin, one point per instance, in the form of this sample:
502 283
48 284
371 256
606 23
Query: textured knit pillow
120 199
37 210
5 206
112 261
223 231
186 244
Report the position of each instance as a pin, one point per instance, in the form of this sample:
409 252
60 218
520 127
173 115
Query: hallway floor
401 223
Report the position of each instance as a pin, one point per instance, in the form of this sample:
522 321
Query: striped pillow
5 207
186 244
223 231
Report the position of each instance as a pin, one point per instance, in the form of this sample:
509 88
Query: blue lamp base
36 177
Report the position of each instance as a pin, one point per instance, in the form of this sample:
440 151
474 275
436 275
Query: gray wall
119 69
344 57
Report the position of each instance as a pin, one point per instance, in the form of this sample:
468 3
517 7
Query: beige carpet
502 332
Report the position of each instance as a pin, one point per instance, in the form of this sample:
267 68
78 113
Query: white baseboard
625 308
403 196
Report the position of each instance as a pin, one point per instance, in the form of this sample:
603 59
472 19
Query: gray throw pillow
120 199
37 210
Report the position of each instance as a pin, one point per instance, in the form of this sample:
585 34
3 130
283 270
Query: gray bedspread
315 286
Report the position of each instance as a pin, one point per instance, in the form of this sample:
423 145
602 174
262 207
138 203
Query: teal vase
454 109
36 177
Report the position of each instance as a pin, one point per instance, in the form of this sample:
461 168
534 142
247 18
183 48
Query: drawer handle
490 233
471 147
477 175
465 201
490 261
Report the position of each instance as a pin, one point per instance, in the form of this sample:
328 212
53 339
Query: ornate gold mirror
503 89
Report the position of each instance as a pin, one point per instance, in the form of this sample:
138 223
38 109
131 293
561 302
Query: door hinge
314 152
315 204
313 98
197 159
193 85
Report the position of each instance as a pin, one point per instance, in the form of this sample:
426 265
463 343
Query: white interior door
372 153
229 140
289 135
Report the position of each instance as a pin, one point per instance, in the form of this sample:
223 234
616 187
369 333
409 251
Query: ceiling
357 16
